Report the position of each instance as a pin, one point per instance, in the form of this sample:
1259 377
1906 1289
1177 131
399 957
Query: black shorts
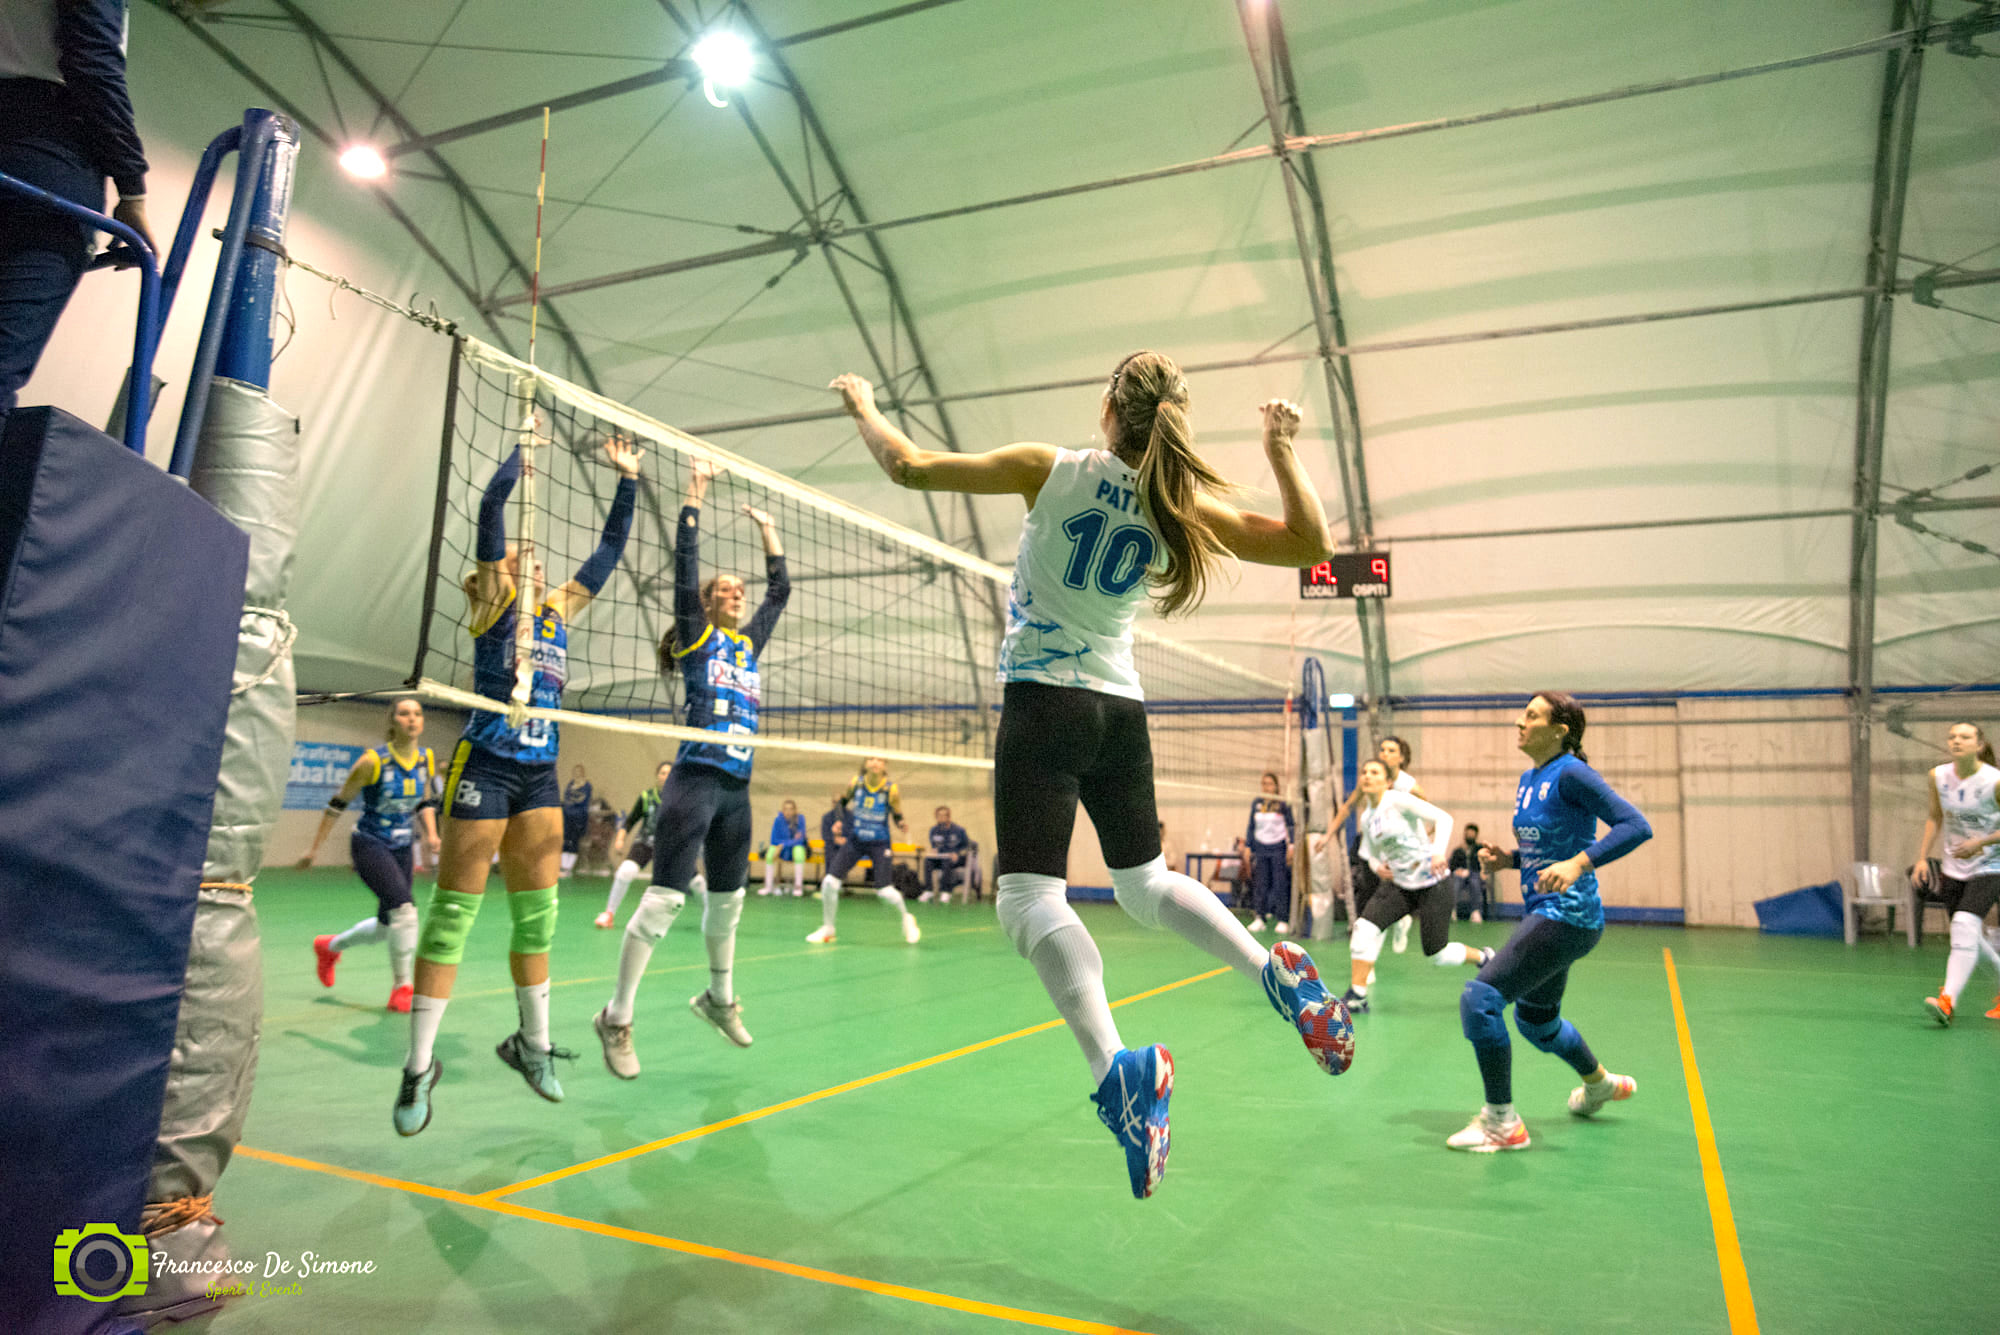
1975 896
881 861
640 853
483 786
384 869
1431 905
1059 745
704 813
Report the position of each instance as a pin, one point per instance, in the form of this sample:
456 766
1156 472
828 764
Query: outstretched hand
857 395
756 515
623 455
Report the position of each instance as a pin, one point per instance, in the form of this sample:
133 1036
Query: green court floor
909 1145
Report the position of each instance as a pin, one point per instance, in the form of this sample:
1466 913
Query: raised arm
777 582
1301 537
574 596
690 618
491 583
1010 470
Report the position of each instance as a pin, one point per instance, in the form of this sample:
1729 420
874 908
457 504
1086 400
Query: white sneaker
1399 940
1256 925
924 898
822 937
764 890
911 932
1487 1137
619 1054
728 1020
1587 1098
1283 928
605 919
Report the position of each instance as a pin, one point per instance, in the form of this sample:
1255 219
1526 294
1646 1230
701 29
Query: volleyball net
886 647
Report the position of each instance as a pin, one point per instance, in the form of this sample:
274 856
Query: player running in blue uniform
501 795
1104 529
397 786
1556 811
704 809
872 803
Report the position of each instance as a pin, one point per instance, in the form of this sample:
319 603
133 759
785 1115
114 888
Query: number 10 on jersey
1113 563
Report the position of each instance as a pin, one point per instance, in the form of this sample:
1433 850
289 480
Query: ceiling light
725 61
364 161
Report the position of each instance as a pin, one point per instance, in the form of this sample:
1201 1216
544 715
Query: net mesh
886 646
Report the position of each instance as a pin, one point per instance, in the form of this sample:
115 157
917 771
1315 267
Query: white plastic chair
1870 885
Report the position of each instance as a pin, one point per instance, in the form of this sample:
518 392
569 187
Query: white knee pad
830 887
403 915
1031 906
891 896
658 908
719 913
1141 890
1451 956
699 885
1965 931
1366 943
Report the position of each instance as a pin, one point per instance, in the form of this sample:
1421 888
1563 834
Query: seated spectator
944 864
1468 880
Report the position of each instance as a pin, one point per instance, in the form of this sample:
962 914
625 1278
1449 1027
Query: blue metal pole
139 390
245 350
259 129
197 204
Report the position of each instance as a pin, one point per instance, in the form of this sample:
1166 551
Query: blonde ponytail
1149 398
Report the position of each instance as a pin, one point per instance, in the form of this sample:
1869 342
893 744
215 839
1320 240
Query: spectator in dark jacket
944 863
65 125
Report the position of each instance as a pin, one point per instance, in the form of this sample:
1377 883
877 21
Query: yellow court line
635 1151
1728 1252
664 1243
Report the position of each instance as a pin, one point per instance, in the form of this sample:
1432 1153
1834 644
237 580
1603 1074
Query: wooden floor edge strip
1736 1297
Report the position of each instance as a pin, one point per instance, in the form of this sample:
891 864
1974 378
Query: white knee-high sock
533 1003
426 1014
770 874
1158 897
568 863
1966 931
402 944
364 933
893 897
1034 911
799 877
1989 946
829 901
719 916
658 908
1452 954
621 881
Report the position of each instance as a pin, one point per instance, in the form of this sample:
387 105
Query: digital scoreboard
1347 575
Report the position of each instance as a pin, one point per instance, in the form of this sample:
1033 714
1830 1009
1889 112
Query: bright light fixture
1339 700
725 61
364 161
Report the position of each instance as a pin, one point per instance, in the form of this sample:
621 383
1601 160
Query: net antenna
526 580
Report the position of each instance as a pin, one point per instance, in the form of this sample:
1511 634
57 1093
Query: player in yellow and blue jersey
501 794
704 807
1557 808
397 785
872 803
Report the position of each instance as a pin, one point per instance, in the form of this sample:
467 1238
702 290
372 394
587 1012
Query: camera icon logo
99 1263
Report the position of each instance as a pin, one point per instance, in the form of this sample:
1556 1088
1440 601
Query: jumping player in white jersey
1104 528
1966 806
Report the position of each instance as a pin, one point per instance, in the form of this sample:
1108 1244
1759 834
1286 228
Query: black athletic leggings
383 869
703 813
1059 745
1432 906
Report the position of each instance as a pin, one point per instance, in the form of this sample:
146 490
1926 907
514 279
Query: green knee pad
534 913
447 925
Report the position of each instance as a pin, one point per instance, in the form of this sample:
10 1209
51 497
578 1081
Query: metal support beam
1939 281
1895 130
1961 29
1271 63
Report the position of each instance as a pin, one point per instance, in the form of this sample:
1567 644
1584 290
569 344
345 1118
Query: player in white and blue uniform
704 808
1964 795
872 803
501 795
1105 529
1557 809
397 785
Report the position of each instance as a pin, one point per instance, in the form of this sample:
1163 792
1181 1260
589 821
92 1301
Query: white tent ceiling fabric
1742 191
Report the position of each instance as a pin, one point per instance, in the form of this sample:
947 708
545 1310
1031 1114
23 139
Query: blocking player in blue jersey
1556 811
704 808
501 794
397 785
872 802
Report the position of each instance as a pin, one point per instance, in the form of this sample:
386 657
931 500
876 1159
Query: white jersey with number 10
1080 574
